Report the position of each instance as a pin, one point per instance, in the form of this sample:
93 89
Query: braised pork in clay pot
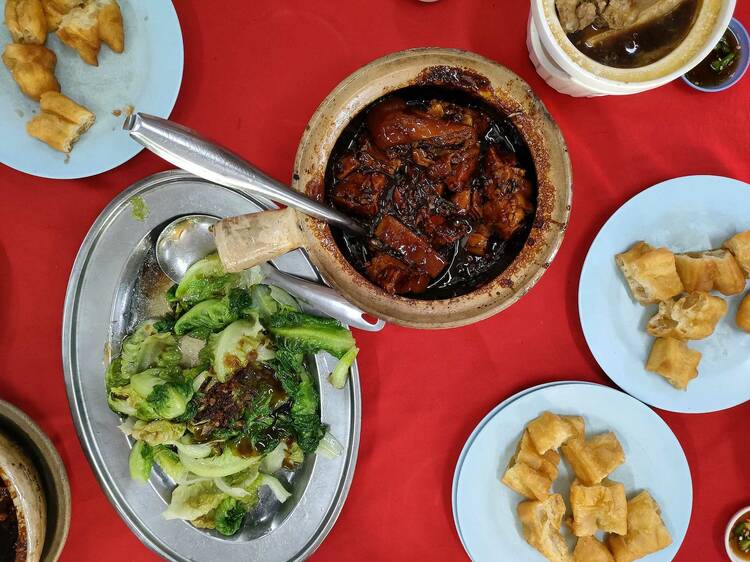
445 186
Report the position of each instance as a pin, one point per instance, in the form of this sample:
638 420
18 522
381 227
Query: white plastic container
557 67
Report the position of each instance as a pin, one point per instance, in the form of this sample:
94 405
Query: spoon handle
188 150
322 298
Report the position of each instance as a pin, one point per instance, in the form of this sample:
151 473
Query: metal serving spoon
187 239
188 150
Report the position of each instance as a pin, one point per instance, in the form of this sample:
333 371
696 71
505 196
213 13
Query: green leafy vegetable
310 334
229 516
157 432
225 464
191 501
230 350
213 315
205 279
152 394
341 370
170 463
140 461
147 348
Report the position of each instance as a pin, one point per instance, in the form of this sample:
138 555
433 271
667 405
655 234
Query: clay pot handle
253 239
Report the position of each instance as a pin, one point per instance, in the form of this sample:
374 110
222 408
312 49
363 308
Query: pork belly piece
394 276
392 123
508 194
478 240
415 249
360 194
455 168
443 230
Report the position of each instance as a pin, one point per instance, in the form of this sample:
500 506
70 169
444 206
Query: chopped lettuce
191 501
340 372
230 350
157 432
140 461
205 279
218 466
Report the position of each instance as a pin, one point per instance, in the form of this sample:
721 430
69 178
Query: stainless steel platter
107 295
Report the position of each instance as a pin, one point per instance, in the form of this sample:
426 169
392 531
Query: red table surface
254 73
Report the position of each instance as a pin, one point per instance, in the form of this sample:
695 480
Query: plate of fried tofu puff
72 70
572 472
663 297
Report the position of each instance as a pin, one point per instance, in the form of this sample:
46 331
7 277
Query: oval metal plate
102 304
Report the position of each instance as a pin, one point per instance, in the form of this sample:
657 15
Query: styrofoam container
565 75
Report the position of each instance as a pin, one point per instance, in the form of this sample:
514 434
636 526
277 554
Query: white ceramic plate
486 509
690 213
147 76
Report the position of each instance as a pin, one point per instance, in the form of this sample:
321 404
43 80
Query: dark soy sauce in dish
640 45
464 271
719 66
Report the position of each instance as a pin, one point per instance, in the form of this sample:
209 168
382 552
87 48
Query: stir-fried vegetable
222 419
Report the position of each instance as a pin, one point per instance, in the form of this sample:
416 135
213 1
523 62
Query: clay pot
280 231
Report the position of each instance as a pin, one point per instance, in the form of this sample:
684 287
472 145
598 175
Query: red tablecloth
254 73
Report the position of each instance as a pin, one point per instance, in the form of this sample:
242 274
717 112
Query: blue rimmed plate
146 76
485 509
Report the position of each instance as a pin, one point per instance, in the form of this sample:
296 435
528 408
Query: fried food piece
111 30
529 473
594 459
646 531
710 270
691 317
675 361
54 10
650 273
61 122
549 431
32 67
743 314
598 507
26 21
739 245
79 30
541 527
589 549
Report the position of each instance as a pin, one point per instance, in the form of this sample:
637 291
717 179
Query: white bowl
732 556
585 82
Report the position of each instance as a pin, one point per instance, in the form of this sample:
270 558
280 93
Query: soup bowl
498 88
554 52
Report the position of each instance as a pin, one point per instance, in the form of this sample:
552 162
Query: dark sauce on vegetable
8 526
720 65
640 45
465 272
739 537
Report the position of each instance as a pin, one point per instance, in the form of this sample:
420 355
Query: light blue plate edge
667 184
484 421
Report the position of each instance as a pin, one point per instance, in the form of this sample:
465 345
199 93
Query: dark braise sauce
739 537
720 66
639 45
8 527
445 186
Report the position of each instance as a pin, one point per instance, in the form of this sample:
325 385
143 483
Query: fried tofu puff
549 431
674 360
646 531
26 21
541 522
589 549
32 67
601 507
594 459
529 473
54 10
650 273
61 122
